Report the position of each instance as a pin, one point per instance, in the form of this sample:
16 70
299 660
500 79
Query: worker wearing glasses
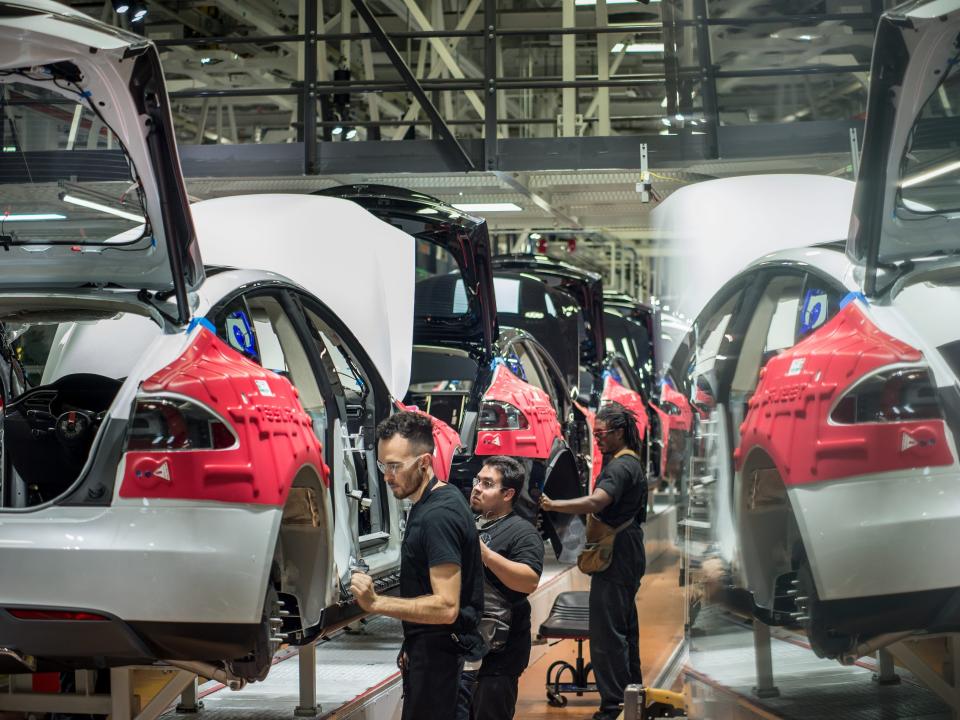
512 554
441 575
619 500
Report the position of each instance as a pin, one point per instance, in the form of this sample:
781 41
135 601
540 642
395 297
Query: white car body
205 490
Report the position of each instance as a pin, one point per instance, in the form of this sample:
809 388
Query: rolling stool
569 620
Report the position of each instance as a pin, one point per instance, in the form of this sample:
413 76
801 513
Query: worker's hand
485 552
546 503
361 585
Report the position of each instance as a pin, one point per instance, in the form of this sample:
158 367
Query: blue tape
851 296
202 321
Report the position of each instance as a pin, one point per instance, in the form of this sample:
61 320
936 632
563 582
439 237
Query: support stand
946 684
308 682
189 703
887 674
764 661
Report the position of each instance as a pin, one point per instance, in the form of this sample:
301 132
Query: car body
500 389
829 378
604 374
188 463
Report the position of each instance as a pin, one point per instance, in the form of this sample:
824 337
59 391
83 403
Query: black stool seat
569 617
569 620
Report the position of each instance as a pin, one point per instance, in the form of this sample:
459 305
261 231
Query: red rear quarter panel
788 415
535 441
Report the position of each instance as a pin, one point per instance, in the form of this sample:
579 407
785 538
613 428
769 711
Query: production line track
721 674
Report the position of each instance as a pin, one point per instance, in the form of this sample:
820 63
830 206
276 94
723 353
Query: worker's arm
441 607
585 505
515 575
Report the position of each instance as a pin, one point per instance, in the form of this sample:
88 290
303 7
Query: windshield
64 176
930 167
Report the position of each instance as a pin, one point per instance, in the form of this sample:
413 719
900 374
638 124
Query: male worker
512 554
441 575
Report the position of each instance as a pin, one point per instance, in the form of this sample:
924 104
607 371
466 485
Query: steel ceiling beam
520 187
451 145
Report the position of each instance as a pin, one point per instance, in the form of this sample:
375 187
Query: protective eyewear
602 433
486 483
392 468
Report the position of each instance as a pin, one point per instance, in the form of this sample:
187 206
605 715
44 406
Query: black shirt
623 479
517 540
440 530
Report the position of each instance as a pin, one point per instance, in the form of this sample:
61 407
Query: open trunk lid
367 279
110 209
455 303
585 287
907 200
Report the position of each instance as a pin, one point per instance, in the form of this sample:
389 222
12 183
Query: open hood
907 201
111 208
585 287
628 323
360 267
455 303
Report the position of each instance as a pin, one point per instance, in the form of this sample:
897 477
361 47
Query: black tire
556 700
256 666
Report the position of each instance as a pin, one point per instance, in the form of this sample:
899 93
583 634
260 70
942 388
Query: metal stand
887 674
189 703
120 704
632 703
308 682
764 661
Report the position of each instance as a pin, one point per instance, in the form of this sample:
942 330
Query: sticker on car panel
240 333
815 310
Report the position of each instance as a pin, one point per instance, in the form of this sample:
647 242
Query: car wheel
255 666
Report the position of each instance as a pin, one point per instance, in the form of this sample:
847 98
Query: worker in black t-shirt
512 554
619 498
441 575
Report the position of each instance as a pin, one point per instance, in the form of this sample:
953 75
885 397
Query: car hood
360 267
49 48
438 318
903 205
585 287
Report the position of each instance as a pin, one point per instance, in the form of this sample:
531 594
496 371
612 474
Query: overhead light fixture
31 217
535 236
205 60
665 121
930 174
74 200
138 10
638 47
351 134
121 6
337 130
488 207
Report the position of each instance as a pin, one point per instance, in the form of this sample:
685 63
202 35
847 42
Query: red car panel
536 440
276 437
788 416
613 391
446 442
597 459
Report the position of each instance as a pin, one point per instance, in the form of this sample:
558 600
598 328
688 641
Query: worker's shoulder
448 499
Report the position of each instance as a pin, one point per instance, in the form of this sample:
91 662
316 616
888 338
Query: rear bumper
156 562
884 534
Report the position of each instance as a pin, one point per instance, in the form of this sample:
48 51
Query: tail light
669 408
495 415
891 395
55 615
166 423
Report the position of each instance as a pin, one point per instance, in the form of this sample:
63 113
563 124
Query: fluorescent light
102 208
930 174
31 217
645 47
337 130
535 236
665 121
488 207
9 148
351 134
205 60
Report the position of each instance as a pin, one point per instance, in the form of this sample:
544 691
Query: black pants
431 678
495 697
614 640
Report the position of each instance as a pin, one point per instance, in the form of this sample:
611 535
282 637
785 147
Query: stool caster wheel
556 699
